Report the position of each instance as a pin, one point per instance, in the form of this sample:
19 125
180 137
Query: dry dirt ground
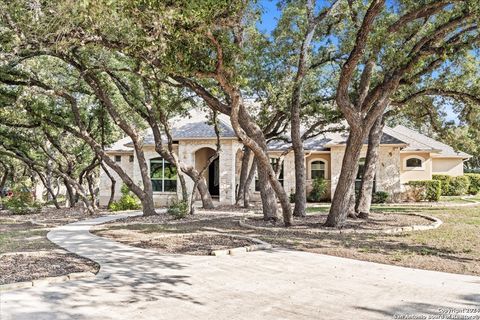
25 252
454 247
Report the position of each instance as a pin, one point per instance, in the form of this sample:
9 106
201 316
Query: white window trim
406 168
309 167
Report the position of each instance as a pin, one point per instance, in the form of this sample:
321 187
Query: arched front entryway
212 173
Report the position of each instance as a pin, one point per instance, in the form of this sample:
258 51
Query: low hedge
445 180
459 186
474 187
453 186
426 190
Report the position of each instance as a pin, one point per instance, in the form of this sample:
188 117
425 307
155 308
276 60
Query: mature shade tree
394 45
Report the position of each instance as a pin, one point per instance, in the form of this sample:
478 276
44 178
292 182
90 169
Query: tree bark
364 200
70 195
3 181
342 197
267 194
243 174
248 183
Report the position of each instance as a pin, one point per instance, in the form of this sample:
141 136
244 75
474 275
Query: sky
268 21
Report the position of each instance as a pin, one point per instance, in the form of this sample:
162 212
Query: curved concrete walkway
138 284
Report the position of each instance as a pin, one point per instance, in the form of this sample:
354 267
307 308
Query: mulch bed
197 244
18 267
376 221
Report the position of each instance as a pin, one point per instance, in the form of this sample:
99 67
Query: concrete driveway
140 284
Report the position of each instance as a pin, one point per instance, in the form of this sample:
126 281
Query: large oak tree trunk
70 194
267 194
366 189
342 197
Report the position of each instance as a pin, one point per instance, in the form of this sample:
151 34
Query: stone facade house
404 155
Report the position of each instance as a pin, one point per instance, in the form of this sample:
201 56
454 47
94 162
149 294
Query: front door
214 178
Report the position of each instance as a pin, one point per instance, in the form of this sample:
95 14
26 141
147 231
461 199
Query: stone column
227 173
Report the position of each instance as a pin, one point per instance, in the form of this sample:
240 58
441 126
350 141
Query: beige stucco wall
449 166
310 157
424 173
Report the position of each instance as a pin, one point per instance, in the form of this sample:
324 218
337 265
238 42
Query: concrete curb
436 223
46 281
259 245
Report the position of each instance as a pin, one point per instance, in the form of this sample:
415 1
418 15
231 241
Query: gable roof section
420 142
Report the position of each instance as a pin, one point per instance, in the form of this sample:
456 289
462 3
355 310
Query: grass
24 240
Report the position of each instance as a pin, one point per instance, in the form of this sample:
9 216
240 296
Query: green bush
445 180
474 187
179 209
319 189
380 197
459 186
426 190
453 186
21 202
126 202
292 197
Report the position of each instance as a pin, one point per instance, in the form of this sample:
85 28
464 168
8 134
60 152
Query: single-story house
404 155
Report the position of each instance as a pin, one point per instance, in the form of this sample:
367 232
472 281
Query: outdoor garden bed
27 266
377 222
25 252
191 244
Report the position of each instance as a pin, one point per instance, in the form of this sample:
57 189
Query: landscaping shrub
292 197
319 189
474 187
178 209
445 180
453 186
425 190
459 186
21 202
380 197
126 202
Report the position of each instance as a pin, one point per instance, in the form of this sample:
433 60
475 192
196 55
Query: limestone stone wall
387 172
105 183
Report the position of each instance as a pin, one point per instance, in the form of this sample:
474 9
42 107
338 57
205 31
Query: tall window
163 175
317 169
275 162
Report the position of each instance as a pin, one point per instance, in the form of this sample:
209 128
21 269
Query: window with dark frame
118 158
414 163
130 159
163 175
317 169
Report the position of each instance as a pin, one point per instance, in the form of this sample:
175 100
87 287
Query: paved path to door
140 284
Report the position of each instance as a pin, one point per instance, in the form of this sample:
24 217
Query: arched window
163 175
414 163
317 169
